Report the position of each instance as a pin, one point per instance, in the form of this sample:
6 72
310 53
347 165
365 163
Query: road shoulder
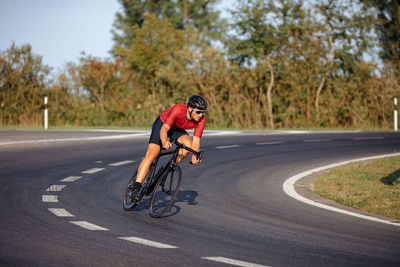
301 187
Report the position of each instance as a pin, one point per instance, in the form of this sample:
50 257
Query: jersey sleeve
198 131
175 111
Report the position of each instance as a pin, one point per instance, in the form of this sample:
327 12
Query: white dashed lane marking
145 242
369 138
89 226
224 147
94 170
55 188
316 140
71 179
60 212
268 143
117 164
233 262
49 198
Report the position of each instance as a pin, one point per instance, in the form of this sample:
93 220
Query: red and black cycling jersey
175 117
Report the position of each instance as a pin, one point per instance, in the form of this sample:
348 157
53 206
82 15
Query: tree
350 26
22 85
183 14
106 86
66 104
152 48
388 27
256 43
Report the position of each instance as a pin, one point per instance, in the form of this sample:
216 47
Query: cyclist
172 123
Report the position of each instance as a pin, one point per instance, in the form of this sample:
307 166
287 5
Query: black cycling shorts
172 134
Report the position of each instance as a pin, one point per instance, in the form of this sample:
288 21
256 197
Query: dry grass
372 186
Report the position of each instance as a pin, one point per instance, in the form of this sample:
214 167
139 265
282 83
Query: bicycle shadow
188 196
391 178
184 196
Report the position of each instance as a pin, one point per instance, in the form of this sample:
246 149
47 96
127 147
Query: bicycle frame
152 181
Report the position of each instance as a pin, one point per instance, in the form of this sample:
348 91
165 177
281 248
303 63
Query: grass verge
370 186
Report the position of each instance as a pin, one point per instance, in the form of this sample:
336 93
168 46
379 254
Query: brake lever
198 156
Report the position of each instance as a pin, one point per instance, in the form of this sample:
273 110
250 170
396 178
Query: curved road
61 205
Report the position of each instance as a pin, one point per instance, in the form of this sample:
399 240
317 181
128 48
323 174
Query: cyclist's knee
183 152
152 152
186 140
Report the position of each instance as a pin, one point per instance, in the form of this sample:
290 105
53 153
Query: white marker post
46 114
395 114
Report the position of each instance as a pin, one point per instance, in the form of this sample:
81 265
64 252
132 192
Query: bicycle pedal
135 200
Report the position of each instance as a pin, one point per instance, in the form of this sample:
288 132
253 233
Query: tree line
273 64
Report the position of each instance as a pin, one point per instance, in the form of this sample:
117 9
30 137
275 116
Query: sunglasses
199 112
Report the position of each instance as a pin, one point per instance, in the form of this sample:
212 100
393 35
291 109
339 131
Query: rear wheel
129 204
165 192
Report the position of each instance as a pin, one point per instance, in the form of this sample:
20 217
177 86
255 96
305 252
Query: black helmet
197 101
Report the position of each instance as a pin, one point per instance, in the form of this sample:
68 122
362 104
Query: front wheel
165 192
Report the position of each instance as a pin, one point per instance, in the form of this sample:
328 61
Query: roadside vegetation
372 186
274 64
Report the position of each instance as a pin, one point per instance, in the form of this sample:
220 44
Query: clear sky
59 30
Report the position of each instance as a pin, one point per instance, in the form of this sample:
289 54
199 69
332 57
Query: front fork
163 185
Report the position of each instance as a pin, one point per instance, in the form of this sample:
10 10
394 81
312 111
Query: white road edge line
50 198
94 170
117 164
146 242
233 262
89 226
95 138
55 188
223 147
288 188
71 178
108 137
60 212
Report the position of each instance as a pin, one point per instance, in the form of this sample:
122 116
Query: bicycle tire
161 199
128 203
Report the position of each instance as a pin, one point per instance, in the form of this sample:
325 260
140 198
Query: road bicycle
163 185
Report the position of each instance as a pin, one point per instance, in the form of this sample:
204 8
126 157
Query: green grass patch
370 186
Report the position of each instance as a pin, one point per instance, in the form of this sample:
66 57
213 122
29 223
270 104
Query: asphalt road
61 205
